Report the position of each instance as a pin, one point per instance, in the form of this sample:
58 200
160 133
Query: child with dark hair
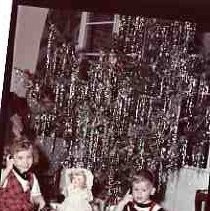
139 197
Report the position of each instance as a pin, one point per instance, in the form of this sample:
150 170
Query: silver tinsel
130 112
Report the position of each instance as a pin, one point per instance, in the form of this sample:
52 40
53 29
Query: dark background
197 10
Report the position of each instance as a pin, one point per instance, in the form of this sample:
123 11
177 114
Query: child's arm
127 198
36 194
39 200
6 171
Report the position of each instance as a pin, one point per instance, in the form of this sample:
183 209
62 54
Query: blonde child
19 188
139 197
77 190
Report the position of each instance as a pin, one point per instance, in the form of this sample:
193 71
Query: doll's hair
78 172
67 175
144 176
22 145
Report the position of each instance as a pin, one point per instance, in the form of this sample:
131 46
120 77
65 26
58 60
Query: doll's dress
76 199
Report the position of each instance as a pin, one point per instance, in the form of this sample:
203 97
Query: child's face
23 160
78 181
141 191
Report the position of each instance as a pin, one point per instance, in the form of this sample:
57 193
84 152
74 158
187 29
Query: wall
182 186
5 16
30 24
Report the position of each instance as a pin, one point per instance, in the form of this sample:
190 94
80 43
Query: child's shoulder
157 207
154 207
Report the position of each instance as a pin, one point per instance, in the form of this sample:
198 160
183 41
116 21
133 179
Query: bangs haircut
24 144
144 175
78 173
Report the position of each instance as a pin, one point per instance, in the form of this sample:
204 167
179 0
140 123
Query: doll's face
78 181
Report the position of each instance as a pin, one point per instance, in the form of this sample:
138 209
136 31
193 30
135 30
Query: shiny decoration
140 107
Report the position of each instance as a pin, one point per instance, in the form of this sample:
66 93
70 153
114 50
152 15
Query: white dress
77 200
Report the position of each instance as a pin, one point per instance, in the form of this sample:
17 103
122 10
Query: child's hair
144 176
79 173
22 145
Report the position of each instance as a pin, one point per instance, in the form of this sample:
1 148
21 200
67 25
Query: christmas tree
137 108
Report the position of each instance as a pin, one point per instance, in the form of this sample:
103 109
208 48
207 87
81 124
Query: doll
77 184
